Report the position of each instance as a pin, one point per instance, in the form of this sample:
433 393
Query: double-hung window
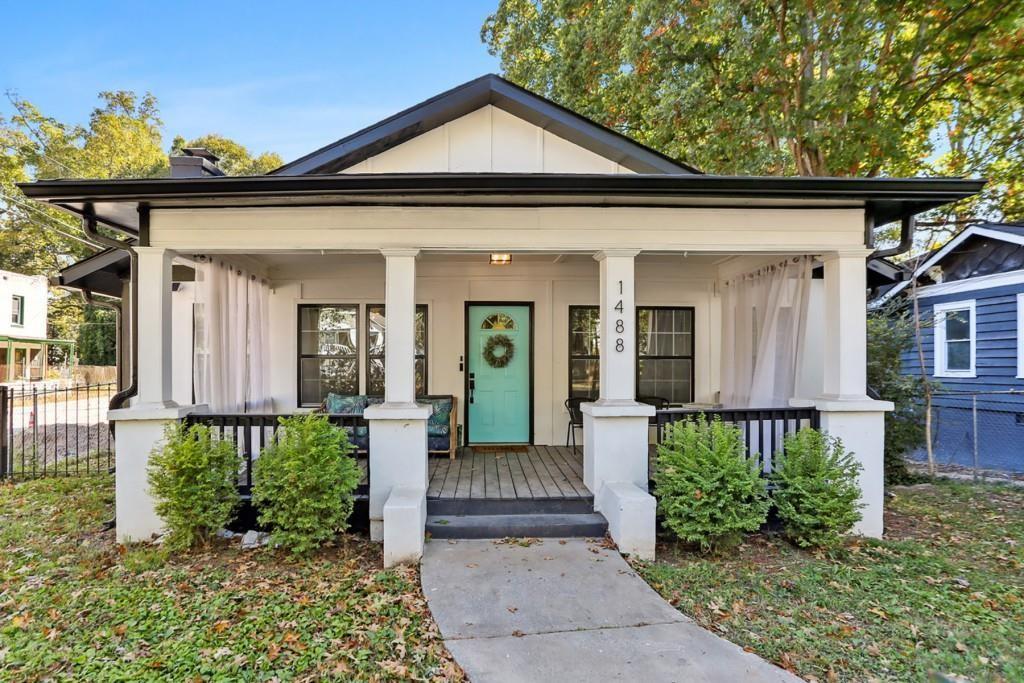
376 332
955 326
17 310
664 344
328 351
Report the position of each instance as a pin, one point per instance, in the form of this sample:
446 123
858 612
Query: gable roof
1011 233
470 96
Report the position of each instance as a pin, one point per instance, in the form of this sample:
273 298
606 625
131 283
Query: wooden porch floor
539 472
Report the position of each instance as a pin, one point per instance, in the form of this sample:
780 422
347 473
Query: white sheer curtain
764 315
230 349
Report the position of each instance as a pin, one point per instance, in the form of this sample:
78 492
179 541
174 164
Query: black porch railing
252 433
763 429
55 432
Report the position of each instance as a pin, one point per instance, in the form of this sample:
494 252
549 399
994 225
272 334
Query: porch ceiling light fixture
501 259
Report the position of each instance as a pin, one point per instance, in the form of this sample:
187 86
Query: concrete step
585 525
515 506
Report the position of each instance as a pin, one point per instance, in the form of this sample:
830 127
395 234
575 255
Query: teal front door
498 366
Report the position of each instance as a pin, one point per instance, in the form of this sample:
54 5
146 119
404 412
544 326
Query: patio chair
572 405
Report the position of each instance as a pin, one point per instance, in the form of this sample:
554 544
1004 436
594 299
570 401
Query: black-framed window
376 330
664 344
664 353
17 310
328 351
584 351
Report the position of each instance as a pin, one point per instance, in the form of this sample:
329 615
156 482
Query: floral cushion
347 405
438 430
441 417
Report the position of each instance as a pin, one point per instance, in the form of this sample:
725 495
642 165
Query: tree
830 87
235 159
94 334
122 139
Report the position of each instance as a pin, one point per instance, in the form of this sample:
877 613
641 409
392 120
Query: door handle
472 385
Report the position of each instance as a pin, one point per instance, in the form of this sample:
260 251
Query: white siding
487 140
35 292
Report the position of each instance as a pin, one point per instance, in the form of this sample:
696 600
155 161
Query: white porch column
140 428
398 427
615 426
846 410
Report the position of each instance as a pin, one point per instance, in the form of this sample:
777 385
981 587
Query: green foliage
708 490
97 337
890 335
303 483
235 159
194 479
767 88
816 492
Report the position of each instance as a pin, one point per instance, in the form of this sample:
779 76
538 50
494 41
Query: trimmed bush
194 479
303 483
816 491
708 490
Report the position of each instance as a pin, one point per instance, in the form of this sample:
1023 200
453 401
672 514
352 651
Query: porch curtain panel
764 317
231 354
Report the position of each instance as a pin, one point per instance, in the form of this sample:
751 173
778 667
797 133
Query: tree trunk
925 384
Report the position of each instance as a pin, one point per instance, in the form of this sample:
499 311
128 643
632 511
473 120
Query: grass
75 606
943 592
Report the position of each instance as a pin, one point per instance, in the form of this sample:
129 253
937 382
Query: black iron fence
252 433
763 429
55 432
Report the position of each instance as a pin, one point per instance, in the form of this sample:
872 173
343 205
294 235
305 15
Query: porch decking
538 473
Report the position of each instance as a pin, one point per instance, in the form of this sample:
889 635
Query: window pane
958 324
376 331
375 376
583 331
376 326
958 355
328 330
665 332
585 378
322 375
421 377
666 378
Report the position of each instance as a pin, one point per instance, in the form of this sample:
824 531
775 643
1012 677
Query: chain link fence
977 433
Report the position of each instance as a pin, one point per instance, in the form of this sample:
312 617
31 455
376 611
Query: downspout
89 225
907 226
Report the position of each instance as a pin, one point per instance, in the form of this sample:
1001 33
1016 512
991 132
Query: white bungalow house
491 246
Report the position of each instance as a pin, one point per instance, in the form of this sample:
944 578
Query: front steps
549 518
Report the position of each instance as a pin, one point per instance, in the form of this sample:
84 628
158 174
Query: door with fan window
498 373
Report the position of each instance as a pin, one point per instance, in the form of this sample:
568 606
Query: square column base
398 460
630 512
139 431
615 443
860 425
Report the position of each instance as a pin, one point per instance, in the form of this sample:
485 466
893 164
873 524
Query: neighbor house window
584 353
328 351
376 331
17 310
1020 335
954 339
664 349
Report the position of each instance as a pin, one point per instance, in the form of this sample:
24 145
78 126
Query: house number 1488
620 325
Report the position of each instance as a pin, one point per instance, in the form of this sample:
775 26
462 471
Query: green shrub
303 483
194 479
708 490
816 491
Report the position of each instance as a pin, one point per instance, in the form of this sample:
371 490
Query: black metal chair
572 405
658 402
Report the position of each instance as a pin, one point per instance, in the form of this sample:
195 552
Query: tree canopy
772 87
123 138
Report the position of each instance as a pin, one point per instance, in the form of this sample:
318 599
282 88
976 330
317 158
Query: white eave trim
972 231
1013 277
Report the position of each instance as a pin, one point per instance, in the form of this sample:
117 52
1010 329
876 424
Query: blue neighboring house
972 291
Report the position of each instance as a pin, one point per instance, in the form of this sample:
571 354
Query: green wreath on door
496 343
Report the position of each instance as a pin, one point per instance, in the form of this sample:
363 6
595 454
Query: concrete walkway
568 610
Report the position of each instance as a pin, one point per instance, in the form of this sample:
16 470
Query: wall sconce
501 259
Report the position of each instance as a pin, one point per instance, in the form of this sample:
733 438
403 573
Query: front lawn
944 592
74 606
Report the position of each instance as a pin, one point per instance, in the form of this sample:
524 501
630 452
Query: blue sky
279 76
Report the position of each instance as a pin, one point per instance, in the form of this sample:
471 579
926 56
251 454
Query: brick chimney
195 162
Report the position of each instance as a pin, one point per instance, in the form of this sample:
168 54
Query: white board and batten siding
488 140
